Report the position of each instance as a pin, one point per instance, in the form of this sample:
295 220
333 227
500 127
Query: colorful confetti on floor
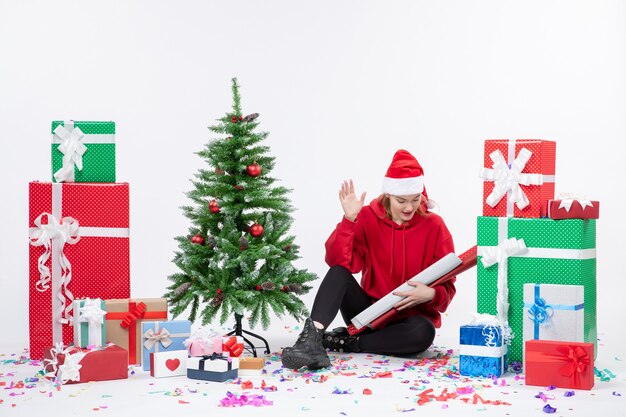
355 385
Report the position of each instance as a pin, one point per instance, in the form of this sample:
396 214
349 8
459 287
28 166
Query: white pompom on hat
405 176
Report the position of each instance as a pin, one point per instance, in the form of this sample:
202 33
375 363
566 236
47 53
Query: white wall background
339 85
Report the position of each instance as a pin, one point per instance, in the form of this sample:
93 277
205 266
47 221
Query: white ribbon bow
509 179
64 231
70 369
163 336
492 327
568 199
500 255
72 148
92 313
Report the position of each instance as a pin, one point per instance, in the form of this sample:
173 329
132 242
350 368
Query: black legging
339 291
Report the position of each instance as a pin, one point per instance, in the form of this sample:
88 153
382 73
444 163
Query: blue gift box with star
482 351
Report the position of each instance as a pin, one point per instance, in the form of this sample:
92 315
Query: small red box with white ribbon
568 206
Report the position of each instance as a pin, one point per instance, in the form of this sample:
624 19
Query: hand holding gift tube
381 312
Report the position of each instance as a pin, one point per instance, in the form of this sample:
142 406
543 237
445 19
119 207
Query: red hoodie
389 254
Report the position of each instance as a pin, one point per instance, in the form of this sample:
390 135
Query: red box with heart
166 364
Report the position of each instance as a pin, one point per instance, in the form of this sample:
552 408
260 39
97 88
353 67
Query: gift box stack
536 257
81 319
213 357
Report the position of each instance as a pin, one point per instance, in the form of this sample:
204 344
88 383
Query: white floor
395 388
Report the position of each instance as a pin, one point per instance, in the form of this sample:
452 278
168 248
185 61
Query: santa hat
405 176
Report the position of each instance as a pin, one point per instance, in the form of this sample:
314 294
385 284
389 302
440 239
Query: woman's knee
422 332
338 273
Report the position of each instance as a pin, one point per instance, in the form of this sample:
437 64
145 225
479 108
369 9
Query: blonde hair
384 200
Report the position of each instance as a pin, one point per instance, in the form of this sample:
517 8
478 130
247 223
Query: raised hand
350 203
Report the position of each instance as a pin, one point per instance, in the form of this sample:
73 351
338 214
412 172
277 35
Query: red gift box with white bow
560 364
571 207
518 177
72 365
79 248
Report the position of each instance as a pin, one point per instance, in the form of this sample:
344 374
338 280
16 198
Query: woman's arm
345 246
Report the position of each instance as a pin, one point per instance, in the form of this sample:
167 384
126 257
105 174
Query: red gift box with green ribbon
123 322
560 364
79 248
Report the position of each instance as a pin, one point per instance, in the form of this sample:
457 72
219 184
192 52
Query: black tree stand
239 331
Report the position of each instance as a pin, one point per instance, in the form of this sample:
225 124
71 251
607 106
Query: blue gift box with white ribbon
482 351
163 336
554 312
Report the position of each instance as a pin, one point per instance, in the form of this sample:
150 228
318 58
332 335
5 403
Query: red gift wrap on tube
518 177
561 364
79 248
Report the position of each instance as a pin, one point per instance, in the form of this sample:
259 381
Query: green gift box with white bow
558 252
83 151
89 322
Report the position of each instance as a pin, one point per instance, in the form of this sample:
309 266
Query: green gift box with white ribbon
83 151
89 322
560 252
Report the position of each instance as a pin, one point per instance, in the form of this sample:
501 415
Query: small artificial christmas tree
238 257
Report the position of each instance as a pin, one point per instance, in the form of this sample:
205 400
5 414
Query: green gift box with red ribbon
559 364
124 318
558 252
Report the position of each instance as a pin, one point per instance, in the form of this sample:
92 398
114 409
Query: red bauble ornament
219 290
258 288
285 288
256 230
240 118
213 206
233 119
238 187
254 170
197 240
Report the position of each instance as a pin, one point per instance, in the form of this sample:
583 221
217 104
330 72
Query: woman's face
403 207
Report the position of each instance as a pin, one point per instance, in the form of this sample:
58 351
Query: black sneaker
340 340
307 351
